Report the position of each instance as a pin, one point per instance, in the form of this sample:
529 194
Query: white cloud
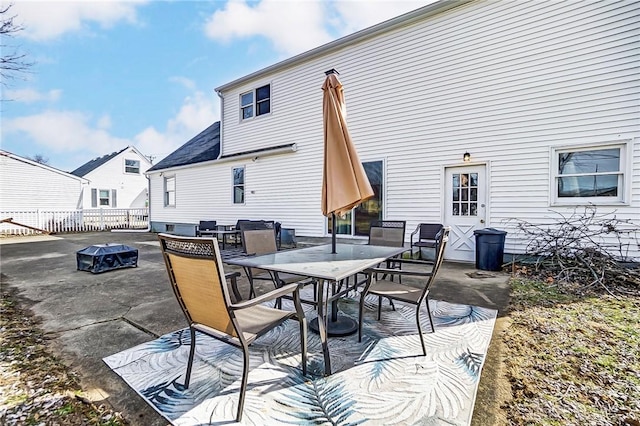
43 20
357 15
32 95
77 134
294 27
65 131
197 112
184 82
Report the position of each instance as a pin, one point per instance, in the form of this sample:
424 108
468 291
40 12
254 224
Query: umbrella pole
333 233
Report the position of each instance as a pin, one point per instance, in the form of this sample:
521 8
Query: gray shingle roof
203 147
95 163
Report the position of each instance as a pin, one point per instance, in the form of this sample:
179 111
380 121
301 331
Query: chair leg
379 307
433 329
243 385
303 343
424 348
360 316
192 351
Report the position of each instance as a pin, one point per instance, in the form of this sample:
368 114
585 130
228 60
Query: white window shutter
94 198
114 203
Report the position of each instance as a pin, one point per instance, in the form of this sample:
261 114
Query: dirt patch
35 387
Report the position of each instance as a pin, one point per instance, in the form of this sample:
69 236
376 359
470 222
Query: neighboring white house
543 96
116 180
26 185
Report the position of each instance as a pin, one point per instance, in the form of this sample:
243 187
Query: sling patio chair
263 241
198 281
424 236
424 272
206 228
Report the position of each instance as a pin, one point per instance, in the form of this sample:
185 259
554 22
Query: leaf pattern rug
384 380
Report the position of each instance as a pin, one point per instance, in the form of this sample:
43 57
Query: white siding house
116 180
544 96
26 185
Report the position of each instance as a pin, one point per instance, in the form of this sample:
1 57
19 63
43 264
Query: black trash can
489 248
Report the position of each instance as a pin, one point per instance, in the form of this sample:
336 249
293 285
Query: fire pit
106 257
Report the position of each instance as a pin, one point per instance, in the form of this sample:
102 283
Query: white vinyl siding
26 186
119 174
504 81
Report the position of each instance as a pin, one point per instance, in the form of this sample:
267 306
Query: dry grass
35 387
572 359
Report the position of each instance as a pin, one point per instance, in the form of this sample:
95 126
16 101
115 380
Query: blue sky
110 74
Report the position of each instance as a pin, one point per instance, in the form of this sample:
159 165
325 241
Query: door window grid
465 194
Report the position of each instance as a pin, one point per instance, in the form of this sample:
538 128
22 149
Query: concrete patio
90 316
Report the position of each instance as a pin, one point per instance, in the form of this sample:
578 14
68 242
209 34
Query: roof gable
205 146
95 163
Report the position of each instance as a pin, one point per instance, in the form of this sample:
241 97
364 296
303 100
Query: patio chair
206 228
263 241
424 271
198 281
425 237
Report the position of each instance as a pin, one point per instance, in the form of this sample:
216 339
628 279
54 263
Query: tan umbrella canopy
344 181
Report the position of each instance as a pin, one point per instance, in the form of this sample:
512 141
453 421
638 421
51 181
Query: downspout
149 211
221 96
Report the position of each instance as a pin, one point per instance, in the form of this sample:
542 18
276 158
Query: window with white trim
238 185
170 191
132 166
256 102
592 174
103 198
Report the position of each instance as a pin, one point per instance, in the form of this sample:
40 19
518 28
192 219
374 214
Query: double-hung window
103 198
256 102
170 191
589 174
238 185
132 166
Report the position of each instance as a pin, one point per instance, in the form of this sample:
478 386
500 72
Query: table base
343 326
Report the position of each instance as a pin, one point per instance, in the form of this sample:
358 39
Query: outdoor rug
385 379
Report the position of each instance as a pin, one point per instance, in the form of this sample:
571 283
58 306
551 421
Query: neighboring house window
132 166
256 102
358 220
589 174
238 185
103 198
170 191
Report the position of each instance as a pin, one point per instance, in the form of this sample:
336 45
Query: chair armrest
233 276
414 233
273 294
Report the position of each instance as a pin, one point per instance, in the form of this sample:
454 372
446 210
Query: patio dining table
328 268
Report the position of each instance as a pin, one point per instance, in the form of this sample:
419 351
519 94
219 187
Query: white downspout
221 121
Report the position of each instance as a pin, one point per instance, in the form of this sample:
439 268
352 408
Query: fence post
102 219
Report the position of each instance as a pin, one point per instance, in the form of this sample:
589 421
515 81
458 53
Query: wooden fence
61 221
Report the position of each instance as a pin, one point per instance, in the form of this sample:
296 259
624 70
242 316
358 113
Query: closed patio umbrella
344 181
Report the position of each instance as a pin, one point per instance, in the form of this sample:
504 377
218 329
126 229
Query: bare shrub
584 249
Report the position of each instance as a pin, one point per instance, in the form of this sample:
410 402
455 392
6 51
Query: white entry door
464 209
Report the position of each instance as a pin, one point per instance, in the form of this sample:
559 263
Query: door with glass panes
464 209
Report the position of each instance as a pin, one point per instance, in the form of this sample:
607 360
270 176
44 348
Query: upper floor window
589 174
132 166
256 102
170 191
238 185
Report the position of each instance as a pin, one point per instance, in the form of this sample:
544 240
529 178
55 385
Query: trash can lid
489 231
